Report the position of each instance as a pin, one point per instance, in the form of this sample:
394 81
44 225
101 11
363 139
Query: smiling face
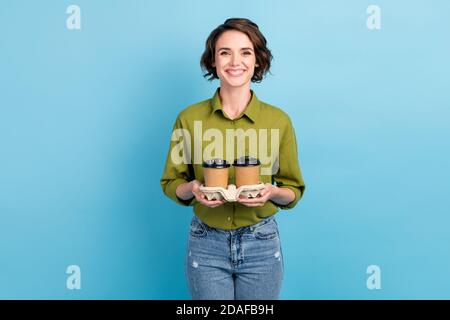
234 59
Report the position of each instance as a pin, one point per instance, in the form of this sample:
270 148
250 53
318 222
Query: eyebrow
248 48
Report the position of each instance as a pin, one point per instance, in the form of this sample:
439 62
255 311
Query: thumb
263 191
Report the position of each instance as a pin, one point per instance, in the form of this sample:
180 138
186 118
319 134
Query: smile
235 73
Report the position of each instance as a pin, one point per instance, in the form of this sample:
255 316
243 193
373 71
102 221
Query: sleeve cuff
298 194
171 192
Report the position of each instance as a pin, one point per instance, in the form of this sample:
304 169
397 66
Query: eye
223 53
247 52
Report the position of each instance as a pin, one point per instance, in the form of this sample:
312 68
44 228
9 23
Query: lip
235 72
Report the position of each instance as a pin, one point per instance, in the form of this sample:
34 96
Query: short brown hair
262 53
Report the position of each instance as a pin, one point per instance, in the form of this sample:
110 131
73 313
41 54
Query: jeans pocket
267 231
198 229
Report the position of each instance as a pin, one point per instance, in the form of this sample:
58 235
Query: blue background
86 118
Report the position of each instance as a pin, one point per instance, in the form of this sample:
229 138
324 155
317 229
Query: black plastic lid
216 163
246 161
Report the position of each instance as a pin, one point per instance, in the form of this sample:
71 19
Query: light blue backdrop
86 117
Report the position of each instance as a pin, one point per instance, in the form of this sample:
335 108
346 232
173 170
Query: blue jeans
245 263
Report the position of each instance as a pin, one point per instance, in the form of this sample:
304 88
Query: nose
235 61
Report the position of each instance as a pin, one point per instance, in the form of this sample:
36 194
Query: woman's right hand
202 198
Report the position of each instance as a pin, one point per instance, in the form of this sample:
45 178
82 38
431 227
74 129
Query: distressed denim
241 264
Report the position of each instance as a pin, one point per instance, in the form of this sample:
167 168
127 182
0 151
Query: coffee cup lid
216 163
246 161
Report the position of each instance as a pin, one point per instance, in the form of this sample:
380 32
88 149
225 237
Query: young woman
234 249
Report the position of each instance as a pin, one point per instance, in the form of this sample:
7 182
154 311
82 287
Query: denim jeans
245 263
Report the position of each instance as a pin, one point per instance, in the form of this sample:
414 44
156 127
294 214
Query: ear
213 64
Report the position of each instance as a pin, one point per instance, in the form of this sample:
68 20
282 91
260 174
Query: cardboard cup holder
231 194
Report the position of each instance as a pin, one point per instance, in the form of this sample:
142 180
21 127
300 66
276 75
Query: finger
264 193
200 197
253 200
211 202
215 205
205 202
252 205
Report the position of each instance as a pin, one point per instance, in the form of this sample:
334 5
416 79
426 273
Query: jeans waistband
250 228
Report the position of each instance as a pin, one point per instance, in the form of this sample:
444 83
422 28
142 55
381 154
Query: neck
234 100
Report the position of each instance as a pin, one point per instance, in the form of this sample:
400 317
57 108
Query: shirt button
229 218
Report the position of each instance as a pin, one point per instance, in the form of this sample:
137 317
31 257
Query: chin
235 82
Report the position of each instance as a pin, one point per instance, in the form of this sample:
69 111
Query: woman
234 249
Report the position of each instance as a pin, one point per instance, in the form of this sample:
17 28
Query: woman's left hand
266 194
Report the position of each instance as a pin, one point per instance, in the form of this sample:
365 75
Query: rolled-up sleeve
289 174
175 174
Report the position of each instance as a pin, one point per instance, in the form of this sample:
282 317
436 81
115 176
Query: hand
202 198
266 194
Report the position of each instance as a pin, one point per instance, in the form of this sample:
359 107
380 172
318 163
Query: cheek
221 61
250 62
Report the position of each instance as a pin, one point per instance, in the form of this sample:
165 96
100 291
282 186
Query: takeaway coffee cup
246 171
215 172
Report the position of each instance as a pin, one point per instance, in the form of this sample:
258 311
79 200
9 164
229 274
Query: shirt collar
251 111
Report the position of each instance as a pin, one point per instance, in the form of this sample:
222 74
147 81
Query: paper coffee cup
215 172
246 171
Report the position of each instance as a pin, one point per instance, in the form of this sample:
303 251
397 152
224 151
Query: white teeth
236 72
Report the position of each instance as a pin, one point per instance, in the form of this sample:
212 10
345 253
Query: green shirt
208 114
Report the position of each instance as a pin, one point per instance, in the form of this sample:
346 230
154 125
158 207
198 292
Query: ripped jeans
241 264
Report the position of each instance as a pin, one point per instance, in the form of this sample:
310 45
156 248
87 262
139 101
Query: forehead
233 39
